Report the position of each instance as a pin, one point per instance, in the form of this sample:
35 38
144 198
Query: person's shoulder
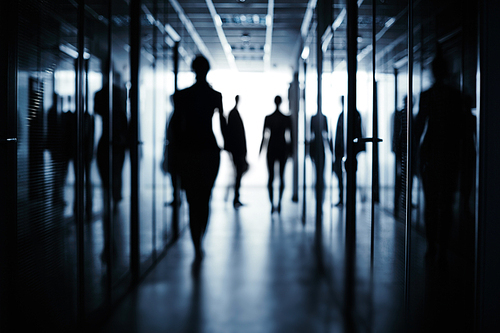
182 92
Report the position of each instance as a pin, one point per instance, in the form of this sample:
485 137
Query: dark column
350 245
8 164
294 100
352 51
488 228
409 117
324 18
135 53
78 165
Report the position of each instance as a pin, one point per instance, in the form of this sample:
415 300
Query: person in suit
444 129
319 139
276 127
198 154
120 142
339 149
236 144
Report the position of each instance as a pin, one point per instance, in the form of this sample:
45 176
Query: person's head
200 67
277 101
439 66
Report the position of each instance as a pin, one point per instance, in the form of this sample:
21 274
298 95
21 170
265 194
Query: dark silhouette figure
61 129
198 152
445 146
339 149
399 145
319 139
276 125
111 146
61 142
235 143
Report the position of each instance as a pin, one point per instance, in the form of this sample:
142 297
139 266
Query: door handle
373 140
8 140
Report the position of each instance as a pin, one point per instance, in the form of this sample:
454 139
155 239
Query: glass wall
74 171
95 110
46 189
444 65
427 136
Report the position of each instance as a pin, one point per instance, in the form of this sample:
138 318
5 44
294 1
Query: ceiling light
305 53
172 33
218 20
390 22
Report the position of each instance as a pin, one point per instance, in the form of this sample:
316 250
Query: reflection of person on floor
279 146
236 144
339 148
119 142
399 143
443 129
199 154
319 138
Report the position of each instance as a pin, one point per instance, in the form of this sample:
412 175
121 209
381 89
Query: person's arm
325 133
222 119
420 120
264 136
291 135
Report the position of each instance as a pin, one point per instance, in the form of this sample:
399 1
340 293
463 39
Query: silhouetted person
339 149
319 138
61 142
119 143
276 125
235 143
442 152
399 144
199 154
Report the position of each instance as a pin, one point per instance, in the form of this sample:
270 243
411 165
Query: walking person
276 127
236 144
198 153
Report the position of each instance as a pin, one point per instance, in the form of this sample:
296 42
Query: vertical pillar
324 18
488 210
304 169
8 166
293 97
350 245
135 53
352 51
78 165
409 171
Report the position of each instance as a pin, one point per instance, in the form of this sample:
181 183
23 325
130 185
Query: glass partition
443 130
46 121
147 136
95 105
119 153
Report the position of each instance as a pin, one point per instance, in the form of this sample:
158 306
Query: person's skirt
198 171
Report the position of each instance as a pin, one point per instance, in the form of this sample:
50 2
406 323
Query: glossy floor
266 272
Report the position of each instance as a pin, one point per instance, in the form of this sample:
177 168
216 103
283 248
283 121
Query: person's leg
198 188
320 179
238 164
431 212
282 163
338 173
270 169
